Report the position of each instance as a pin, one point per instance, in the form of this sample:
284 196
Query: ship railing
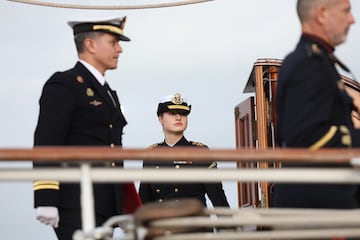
87 174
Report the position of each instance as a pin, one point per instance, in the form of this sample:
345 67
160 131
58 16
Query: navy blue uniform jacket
75 110
314 111
150 192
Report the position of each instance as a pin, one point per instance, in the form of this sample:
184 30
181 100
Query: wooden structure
353 89
255 121
255 126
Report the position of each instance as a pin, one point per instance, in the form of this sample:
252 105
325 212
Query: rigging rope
109 7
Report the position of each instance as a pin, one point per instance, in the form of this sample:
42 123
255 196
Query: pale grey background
204 51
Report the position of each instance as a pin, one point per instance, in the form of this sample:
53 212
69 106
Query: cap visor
123 38
179 111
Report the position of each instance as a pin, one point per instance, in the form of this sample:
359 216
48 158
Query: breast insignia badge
89 92
95 103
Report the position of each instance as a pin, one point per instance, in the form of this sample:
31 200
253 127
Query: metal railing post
87 200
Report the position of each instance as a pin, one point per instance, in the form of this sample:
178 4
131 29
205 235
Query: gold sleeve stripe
39 182
325 139
41 185
47 187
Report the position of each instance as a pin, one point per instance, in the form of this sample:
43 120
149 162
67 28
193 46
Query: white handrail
87 200
86 174
320 175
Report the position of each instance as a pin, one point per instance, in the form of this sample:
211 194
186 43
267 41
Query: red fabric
131 199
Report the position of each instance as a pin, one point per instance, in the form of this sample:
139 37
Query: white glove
48 216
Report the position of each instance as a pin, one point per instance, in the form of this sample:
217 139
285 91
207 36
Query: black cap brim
100 27
170 107
123 38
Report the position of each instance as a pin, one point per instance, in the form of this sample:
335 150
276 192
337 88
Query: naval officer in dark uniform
313 108
78 108
173 113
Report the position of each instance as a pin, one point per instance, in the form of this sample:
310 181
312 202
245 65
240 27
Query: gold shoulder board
154 145
198 144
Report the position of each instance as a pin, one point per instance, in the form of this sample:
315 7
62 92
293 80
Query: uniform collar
181 142
319 41
99 77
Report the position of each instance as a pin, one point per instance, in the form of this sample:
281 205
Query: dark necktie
107 88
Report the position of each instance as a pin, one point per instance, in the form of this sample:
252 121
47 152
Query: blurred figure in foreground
313 108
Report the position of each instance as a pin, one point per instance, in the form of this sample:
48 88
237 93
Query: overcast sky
204 51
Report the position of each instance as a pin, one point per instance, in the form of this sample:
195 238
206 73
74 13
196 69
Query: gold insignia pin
315 48
153 146
177 99
80 79
344 129
95 103
199 144
89 92
346 140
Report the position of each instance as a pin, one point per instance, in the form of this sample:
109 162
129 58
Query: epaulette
154 145
313 51
198 144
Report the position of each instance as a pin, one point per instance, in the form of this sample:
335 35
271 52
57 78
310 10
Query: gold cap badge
177 99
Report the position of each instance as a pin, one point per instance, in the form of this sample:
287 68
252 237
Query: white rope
110 7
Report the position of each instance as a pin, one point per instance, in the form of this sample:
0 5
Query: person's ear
90 45
161 120
321 14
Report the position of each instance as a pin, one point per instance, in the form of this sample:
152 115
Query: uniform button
176 190
112 145
158 190
160 200
113 164
177 166
110 125
157 167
